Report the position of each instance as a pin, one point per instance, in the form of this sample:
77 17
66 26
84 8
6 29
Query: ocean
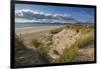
36 25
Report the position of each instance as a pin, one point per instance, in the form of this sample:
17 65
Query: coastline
31 30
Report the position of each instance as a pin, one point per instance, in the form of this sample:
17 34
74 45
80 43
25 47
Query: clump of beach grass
21 53
19 45
42 49
88 39
36 43
69 54
57 30
79 26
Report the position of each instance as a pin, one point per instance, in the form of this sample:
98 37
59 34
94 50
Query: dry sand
33 30
28 34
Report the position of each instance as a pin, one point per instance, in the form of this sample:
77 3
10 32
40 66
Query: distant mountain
26 15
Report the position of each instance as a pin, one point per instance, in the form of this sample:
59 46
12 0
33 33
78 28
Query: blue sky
78 13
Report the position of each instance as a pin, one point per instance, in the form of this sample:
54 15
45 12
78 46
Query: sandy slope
63 39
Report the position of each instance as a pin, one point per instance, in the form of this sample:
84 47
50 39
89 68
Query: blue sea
36 25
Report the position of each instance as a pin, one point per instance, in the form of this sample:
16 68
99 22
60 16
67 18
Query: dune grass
87 40
24 56
42 49
57 30
19 46
20 50
36 43
71 54
80 27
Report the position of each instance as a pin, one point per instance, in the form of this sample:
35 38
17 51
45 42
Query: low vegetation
87 40
42 49
55 31
69 54
19 51
25 56
36 43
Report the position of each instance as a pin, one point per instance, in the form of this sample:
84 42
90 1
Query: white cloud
27 15
27 11
63 15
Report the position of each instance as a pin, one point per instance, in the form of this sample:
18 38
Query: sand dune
57 39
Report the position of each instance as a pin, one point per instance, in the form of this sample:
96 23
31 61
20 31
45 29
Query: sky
79 13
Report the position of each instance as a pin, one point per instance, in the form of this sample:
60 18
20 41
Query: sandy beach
33 30
29 34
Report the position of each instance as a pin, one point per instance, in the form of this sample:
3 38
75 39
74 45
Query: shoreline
30 30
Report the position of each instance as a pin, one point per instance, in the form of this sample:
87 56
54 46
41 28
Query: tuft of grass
55 31
19 46
69 54
80 26
50 42
74 26
86 40
21 53
42 49
36 43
